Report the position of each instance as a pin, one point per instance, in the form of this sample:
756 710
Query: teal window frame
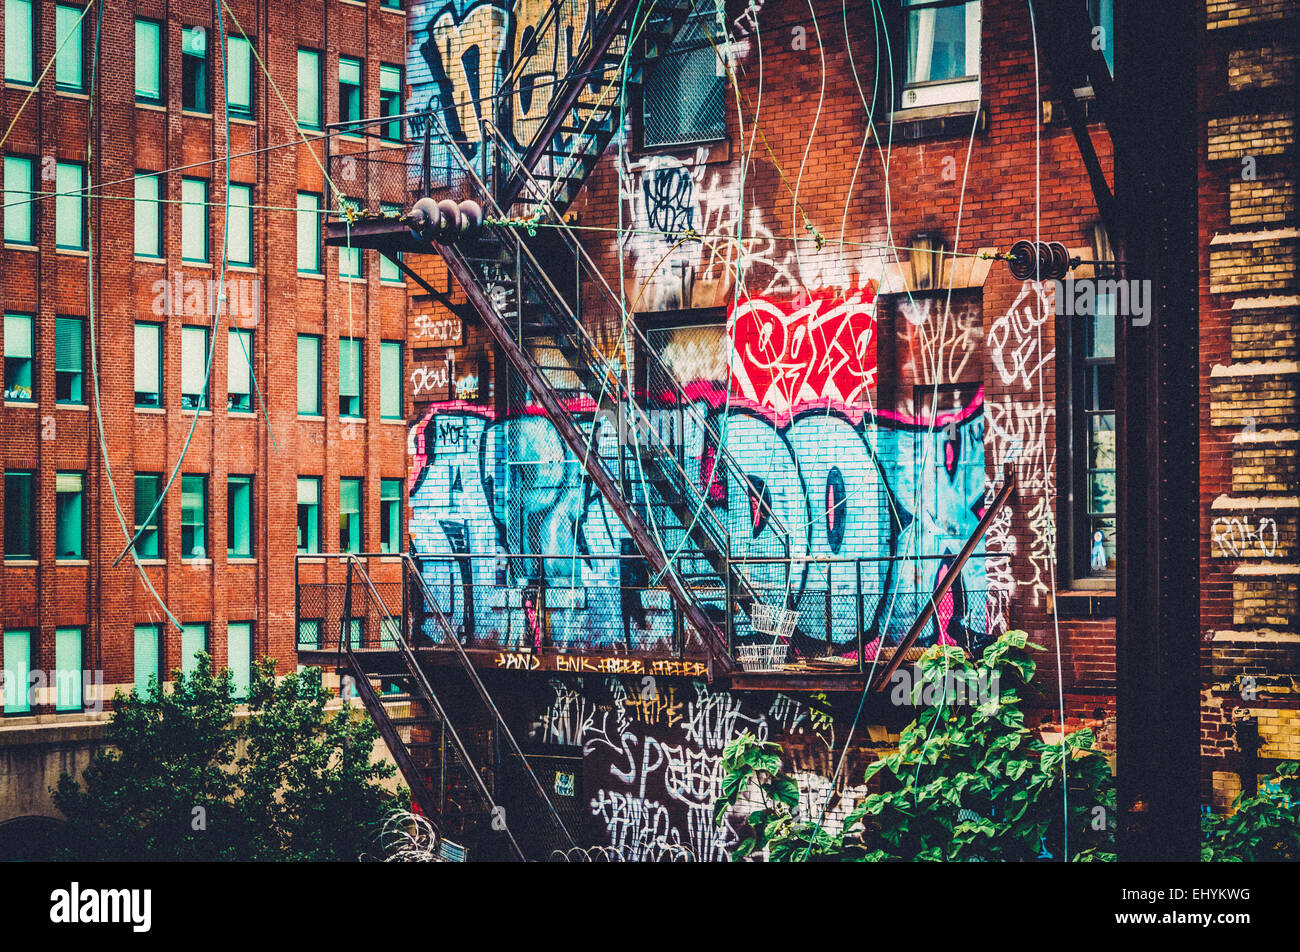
20 514
70 60
70 206
194 638
312 626
351 261
194 516
239 656
20 42
69 360
69 515
352 365
194 367
352 73
148 344
239 517
195 95
147 656
68 648
308 226
19 200
239 370
20 358
239 77
239 242
309 515
390 516
309 89
351 528
390 380
148 216
149 34
19 645
147 489
309 354
194 220
391 81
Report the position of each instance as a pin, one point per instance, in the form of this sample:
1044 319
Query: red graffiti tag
816 349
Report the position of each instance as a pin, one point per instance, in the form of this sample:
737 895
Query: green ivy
968 782
1264 826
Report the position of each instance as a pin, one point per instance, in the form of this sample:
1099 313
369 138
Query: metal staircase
469 777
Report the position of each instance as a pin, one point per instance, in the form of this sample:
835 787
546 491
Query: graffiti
437 331
791 354
429 379
1237 537
668 200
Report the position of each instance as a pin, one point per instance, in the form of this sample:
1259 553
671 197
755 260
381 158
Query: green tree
182 778
1263 827
968 781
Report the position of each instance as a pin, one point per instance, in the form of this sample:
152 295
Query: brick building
275 436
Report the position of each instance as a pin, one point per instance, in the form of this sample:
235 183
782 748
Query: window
194 638
239 371
148 365
355 629
70 61
194 517
349 376
239 655
1103 18
309 102
148 652
390 515
239 517
67 669
18 200
67 515
388 270
349 89
349 515
194 69
148 216
239 237
148 487
18 671
390 100
308 633
148 61
20 42
20 514
239 77
349 257
69 360
941 51
308 514
391 4
390 379
70 206
308 233
19 348
194 368
685 97
194 220
308 375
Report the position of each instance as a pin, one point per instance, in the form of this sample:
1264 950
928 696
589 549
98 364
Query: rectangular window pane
18 200
388 270
685 97
239 240
390 515
309 633
349 376
18 350
349 89
148 365
69 360
67 669
239 655
194 638
18 670
148 216
148 486
194 220
194 370
148 651
239 76
390 380
943 50
194 68
239 371
309 89
68 516
349 257
390 100
19 515
148 61
70 206
239 517
194 517
308 514
309 232
69 62
20 42
349 515
308 375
